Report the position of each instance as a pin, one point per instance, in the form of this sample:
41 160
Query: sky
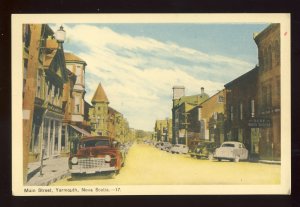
138 64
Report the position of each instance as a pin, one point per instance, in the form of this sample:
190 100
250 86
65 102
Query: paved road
148 165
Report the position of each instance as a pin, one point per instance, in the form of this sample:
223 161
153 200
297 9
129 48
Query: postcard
151 104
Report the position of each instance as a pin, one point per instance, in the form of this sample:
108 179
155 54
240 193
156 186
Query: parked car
97 154
204 150
179 149
233 151
164 145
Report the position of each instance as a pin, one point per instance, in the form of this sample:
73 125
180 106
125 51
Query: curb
270 162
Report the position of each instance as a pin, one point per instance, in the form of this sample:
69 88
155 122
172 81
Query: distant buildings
246 110
105 120
163 130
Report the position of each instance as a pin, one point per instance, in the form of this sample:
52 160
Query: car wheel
219 159
236 158
210 156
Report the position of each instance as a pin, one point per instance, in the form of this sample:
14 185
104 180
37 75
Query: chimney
202 90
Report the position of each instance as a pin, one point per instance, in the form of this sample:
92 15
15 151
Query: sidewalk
270 162
53 170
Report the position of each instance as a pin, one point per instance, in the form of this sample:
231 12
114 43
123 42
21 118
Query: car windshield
227 145
94 143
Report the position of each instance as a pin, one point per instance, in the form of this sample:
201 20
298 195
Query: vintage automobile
97 154
233 151
203 150
164 145
179 149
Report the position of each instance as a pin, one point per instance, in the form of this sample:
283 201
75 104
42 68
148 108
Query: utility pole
29 93
186 126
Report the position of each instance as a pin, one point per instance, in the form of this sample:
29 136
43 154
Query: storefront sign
260 123
54 108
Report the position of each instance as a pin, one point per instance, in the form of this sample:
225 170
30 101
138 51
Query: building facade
268 91
163 130
184 127
98 114
105 120
241 110
75 123
212 115
51 76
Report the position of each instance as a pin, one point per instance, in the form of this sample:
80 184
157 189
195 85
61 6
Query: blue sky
138 64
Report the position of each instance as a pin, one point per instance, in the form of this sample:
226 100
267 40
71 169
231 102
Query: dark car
204 150
98 154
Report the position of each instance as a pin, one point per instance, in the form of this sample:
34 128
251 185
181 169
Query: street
147 165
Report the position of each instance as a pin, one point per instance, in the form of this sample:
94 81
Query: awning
82 131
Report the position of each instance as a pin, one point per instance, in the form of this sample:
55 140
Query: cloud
138 73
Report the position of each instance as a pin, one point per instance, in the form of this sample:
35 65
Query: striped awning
82 131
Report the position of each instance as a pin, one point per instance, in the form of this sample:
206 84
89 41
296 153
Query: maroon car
96 155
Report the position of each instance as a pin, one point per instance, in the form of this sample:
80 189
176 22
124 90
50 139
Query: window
266 96
270 59
38 85
77 104
199 114
220 99
215 114
241 111
252 108
266 60
52 94
277 52
231 113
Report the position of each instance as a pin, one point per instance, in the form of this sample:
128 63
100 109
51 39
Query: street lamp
60 35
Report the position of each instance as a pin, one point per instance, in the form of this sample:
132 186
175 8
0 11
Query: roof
193 100
112 110
266 31
70 57
243 77
100 96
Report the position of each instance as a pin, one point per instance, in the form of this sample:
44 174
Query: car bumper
79 170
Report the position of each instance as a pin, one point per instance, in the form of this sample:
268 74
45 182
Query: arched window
261 59
270 57
266 59
277 52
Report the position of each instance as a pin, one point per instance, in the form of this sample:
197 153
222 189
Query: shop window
45 137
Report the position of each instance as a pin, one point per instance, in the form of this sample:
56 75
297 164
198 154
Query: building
46 140
75 123
268 92
182 106
105 120
163 130
98 114
211 114
241 104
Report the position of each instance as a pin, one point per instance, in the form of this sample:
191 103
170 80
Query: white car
233 151
179 149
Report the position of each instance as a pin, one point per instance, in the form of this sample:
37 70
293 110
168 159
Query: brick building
241 104
268 91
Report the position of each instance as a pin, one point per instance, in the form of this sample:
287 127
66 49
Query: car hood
96 151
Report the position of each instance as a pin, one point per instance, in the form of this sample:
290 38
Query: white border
283 19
